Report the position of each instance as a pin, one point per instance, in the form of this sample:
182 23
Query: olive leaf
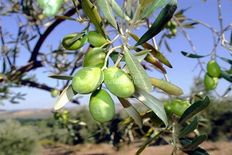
167 87
107 12
61 77
195 142
117 9
191 55
132 112
153 103
153 51
138 74
188 128
92 12
148 141
141 55
155 63
65 97
164 16
149 6
226 60
226 76
194 109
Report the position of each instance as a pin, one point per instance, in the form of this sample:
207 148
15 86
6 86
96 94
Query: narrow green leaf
231 38
149 141
197 151
195 142
107 12
141 55
157 54
189 128
167 87
226 76
194 109
153 103
117 9
132 112
138 74
148 8
160 22
61 77
155 63
226 60
92 12
191 55
65 97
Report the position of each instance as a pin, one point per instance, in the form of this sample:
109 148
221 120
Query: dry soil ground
219 148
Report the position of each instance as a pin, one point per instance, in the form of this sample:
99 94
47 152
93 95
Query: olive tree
107 58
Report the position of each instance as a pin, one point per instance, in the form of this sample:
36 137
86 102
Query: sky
182 72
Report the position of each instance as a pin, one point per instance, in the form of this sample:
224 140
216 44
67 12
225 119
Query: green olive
95 57
118 82
55 92
210 82
176 106
87 80
96 39
70 43
213 69
101 106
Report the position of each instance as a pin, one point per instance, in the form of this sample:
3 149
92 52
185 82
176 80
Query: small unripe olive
87 80
101 106
213 69
176 106
95 57
70 44
118 82
96 39
55 92
210 82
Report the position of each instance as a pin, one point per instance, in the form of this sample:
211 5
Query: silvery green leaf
65 97
137 72
153 103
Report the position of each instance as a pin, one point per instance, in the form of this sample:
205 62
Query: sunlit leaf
132 112
137 72
194 109
65 97
188 128
150 6
191 55
160 22
107 12
153 51
153 103
155 63
61 77
167 87
141 55
117 9
92 12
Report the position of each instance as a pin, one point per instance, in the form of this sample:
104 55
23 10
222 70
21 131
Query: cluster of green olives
212 75
90 78
176 106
